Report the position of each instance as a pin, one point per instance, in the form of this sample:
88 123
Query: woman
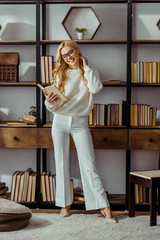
78 82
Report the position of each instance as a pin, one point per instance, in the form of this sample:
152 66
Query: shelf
145 84
85 1
145 41
18 2
146 1
17 84
44 42
110 127
105 84
145 127
49 124
17 42
114 83
16 125
114 199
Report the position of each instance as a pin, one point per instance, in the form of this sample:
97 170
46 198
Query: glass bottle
32 111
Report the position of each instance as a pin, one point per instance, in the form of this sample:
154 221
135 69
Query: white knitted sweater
80 97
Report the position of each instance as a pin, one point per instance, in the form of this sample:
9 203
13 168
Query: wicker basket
9 67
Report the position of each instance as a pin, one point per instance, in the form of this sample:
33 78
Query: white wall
110 60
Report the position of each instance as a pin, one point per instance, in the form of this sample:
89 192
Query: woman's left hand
84 60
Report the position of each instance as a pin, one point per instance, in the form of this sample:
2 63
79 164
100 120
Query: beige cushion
13 216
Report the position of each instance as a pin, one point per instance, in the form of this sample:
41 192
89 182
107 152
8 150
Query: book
3 190
21 187
46 68
47 185
50 66
29 119
5 196
17 186
16 123
2 184
54 185
43 187
46 65
25 185
111 81
72 192
29 192
54 89
42 69
79 198
51 188
78 191
14 179
79 194
33 190
26 122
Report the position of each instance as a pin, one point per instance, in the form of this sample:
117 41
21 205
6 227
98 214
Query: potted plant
80 32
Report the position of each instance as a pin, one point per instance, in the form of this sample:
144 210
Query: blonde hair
62 68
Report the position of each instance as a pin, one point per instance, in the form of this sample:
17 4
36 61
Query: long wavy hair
62 68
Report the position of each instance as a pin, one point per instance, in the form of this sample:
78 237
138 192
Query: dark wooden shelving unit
42 129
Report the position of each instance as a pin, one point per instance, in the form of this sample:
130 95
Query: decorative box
9 67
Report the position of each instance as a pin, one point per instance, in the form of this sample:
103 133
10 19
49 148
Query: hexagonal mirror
81 18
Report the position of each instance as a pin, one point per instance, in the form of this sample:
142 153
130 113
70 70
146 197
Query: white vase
80 35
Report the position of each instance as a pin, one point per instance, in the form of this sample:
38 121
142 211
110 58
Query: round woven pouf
13 216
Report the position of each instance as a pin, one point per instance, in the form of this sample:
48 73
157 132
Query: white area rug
45 226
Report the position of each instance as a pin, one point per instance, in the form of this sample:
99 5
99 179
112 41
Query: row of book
48 188
46 68
143 115
145 72
142 194
3 190
23 186
108 115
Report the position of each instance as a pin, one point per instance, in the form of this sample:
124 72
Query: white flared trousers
77 127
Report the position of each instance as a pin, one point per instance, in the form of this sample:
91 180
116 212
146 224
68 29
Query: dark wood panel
109 138
144 139
44 138
18 138
102 138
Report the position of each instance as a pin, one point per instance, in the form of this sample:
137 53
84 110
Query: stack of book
28 119
46 68
3 190
48 186
145 72
108 115
79 194
23 186
143 115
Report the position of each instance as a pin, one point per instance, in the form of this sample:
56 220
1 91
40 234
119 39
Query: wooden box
9 67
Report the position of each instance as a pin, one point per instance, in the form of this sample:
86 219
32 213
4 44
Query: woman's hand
84 61
51 97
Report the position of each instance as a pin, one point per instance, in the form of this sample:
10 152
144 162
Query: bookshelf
125 138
